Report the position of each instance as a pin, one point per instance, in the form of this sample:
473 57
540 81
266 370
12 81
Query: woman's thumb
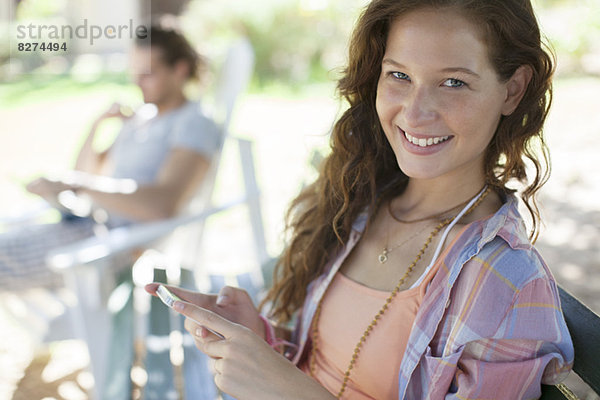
228 295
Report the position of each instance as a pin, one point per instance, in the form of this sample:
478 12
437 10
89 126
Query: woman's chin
418 172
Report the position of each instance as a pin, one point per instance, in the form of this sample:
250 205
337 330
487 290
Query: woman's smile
422 144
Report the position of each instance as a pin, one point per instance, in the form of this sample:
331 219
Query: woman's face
439 99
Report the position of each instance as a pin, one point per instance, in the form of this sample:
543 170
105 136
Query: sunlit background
46 107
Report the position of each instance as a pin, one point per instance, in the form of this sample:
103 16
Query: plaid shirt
490 325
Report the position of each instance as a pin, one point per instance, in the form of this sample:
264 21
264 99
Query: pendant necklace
383 256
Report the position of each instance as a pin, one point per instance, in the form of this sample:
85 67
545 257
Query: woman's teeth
422 142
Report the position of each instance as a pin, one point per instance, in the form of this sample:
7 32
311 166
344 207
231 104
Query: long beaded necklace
388 300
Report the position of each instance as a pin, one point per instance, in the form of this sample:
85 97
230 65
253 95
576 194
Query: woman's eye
400 76
454 83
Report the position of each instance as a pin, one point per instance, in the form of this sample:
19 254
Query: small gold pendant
383 256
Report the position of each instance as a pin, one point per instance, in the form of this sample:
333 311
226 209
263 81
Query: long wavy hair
362 166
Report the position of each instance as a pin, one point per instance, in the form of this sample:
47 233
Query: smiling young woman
440 107
409 268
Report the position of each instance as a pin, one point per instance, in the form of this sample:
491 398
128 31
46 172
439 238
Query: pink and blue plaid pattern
490 325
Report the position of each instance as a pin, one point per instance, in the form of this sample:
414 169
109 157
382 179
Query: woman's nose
419 107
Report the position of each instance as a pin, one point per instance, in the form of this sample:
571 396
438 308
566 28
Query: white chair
88 265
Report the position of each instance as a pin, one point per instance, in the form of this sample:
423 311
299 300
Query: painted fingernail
222 299
178 306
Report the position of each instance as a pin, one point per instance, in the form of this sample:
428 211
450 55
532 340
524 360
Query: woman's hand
245 365
231 303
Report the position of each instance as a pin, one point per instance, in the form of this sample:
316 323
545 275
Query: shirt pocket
433 377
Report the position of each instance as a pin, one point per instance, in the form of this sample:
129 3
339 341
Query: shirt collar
506 223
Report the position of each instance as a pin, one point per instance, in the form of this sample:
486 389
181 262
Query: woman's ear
515 88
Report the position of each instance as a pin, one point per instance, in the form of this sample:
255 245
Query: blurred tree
296 41
573 28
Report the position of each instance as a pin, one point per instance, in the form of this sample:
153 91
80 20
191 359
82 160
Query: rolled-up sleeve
531 346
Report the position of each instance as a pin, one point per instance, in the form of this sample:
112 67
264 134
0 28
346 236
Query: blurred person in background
409 273
156 163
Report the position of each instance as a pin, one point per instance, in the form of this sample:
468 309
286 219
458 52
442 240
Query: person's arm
89 160
531 346
177 180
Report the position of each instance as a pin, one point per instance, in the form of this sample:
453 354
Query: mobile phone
167 296
169 299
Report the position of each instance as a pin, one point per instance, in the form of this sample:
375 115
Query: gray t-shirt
146 139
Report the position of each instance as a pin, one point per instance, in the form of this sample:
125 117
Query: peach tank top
348 308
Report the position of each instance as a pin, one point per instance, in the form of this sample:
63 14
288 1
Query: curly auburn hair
362 166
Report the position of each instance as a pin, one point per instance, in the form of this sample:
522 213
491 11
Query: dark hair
174 47
362 166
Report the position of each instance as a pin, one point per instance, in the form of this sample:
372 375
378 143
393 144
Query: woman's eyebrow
445 70
462 70
394 63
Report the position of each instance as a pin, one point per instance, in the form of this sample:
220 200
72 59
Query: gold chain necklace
388 300
431 217
383 256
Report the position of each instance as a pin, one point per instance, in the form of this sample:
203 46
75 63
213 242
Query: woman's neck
423 198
